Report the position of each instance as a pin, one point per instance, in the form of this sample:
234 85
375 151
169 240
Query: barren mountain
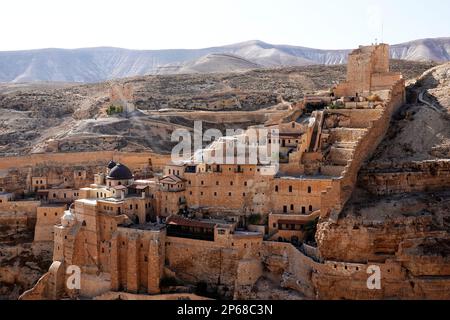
423 50
212 63
100 64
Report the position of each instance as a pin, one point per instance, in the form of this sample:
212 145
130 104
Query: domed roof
111 164
120 172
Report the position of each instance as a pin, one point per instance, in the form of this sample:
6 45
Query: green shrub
254 218
112 109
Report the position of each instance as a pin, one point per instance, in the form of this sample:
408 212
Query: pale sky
170 24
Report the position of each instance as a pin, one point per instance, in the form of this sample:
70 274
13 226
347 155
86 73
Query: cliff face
399 215
375 230
407 235
21 263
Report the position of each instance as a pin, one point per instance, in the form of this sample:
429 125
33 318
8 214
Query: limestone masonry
138 224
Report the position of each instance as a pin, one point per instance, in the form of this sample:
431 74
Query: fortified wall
393 88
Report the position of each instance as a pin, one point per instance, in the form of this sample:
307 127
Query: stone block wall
47 217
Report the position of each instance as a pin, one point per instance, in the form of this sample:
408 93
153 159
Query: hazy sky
165 24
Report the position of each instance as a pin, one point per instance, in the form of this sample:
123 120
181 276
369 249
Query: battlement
367 71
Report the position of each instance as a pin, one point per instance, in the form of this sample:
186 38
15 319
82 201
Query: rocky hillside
100 64
212 63
422 129
140 113
21 264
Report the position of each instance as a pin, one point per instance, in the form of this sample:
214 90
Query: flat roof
111 199
177 220
87 201
53 205
145 227
247 233
303 177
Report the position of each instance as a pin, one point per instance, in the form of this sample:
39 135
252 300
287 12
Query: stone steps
346 134
340 156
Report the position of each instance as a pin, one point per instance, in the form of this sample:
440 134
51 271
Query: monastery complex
141 224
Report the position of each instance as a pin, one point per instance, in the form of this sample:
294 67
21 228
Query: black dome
120 172
111 164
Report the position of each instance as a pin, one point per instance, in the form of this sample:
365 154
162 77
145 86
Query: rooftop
91 202
305 177
177 220
120 172
147 226
53 205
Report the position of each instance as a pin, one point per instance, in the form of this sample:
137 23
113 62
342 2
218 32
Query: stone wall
229 265
47 217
